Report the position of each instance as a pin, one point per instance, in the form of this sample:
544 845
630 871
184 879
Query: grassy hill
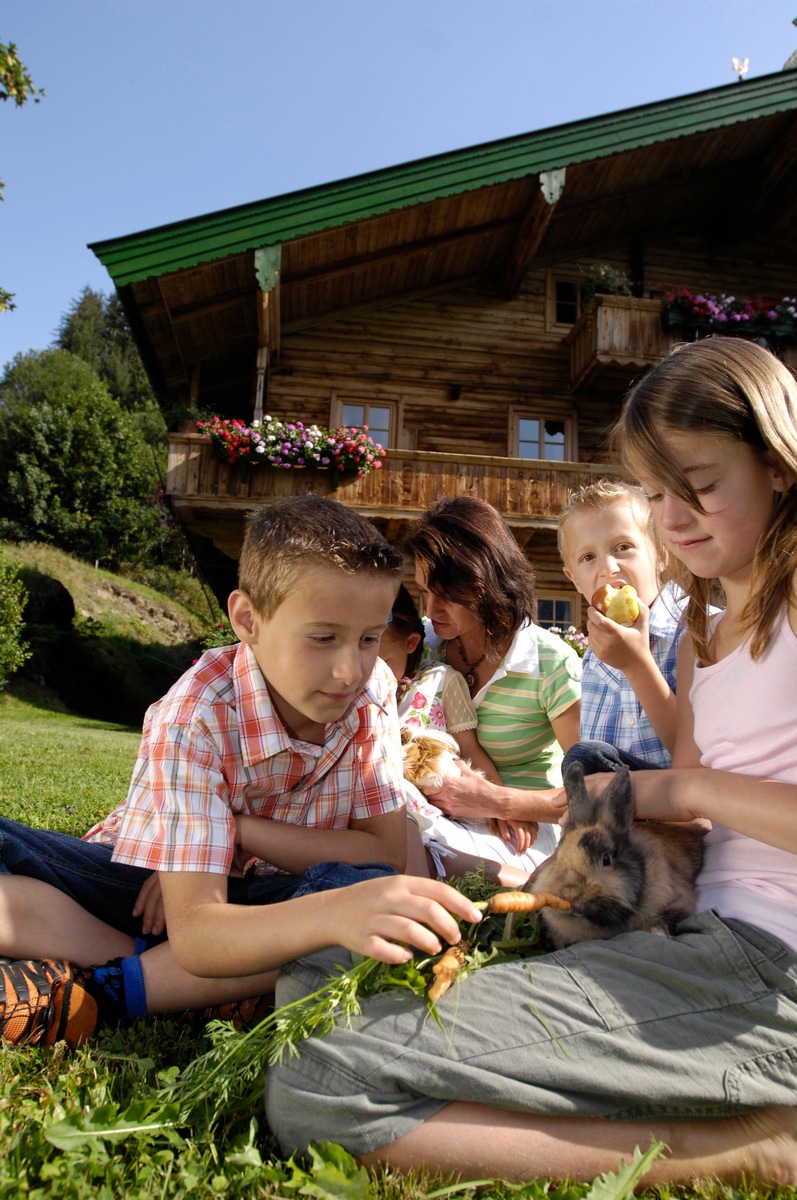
104 644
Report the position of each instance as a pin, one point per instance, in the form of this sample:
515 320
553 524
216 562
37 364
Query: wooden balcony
615 339
210 498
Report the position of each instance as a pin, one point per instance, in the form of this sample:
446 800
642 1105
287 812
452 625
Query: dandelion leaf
622 1184
335 1175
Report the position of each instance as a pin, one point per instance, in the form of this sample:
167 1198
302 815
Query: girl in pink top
563 1069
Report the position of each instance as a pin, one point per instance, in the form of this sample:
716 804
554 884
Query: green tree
17 85
75 468
13 650
96 329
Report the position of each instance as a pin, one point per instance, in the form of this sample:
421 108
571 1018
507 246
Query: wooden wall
456 364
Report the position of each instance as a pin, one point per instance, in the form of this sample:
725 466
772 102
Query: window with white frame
539 435
379 416
556 611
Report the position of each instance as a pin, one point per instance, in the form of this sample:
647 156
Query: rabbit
617 873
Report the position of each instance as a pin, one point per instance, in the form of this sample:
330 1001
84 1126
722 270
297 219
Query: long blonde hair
734 388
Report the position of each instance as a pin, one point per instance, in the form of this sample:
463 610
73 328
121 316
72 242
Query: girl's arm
763 809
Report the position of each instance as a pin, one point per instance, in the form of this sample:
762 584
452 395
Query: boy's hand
619 646
383 918
149 906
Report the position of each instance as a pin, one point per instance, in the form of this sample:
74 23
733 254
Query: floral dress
438 697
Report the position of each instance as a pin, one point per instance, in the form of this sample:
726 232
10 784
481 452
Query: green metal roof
269 222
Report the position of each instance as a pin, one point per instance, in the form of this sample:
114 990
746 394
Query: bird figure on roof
740 66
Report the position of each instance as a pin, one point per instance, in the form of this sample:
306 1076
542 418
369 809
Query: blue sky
157 110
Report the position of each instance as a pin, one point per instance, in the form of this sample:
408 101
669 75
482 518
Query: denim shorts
638 1027
85 872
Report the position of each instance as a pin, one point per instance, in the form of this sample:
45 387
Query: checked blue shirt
610 711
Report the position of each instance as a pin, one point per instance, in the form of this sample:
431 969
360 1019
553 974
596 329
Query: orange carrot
445 971
514 902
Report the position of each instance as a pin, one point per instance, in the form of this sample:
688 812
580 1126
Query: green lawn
66 1116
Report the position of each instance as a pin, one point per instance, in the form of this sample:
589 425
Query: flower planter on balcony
614 339
211 497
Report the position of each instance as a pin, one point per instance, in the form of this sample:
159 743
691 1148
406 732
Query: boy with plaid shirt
269 773
606 535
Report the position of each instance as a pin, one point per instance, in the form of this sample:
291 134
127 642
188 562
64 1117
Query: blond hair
593 497
284 538
734 388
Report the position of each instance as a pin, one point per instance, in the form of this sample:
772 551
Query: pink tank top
746 721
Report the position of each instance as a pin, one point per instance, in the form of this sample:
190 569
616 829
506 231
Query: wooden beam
531 232
382 258
381 302
758 193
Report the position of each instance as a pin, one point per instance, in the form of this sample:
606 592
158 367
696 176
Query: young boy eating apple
607 537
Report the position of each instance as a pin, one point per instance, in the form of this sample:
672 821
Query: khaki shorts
702 1024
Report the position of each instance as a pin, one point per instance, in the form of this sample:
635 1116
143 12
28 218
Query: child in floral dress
434 695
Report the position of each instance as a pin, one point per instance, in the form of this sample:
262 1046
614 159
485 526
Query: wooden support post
531 231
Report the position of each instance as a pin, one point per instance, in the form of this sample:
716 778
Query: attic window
566 302
562 299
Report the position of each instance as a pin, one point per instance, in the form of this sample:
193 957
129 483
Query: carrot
445 970
514 902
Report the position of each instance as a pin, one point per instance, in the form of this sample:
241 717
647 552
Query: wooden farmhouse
441 303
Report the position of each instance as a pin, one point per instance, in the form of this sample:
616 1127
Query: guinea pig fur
617 873
429 756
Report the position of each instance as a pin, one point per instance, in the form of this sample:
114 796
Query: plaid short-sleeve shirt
213 748
610 711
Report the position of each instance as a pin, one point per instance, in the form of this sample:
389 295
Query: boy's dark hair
470 556
405 619
283 538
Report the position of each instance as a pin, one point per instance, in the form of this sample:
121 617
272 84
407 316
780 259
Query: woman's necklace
471 678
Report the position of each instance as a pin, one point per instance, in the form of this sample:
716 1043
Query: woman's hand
468 795
149 906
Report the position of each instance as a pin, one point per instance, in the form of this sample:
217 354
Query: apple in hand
618 602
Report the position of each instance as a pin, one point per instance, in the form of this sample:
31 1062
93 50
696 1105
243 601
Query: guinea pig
429 756
618 874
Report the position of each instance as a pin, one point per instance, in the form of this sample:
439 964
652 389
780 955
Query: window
380 418
555 610
565 301
536 435
562 300
539 438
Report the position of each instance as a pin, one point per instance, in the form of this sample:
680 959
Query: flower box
692 315
613 339
288 445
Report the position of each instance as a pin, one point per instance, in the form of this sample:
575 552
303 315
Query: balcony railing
529 494
614 338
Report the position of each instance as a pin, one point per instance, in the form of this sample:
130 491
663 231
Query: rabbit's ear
617 802
581 808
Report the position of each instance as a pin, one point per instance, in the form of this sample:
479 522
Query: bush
75 467
13 650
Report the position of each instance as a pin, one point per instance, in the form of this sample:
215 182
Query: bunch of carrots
451 962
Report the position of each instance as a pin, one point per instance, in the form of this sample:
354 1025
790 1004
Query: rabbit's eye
606 860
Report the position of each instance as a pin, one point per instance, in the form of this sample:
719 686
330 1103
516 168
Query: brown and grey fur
617 873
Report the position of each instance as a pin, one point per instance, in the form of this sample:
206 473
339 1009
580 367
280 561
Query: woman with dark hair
478 593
